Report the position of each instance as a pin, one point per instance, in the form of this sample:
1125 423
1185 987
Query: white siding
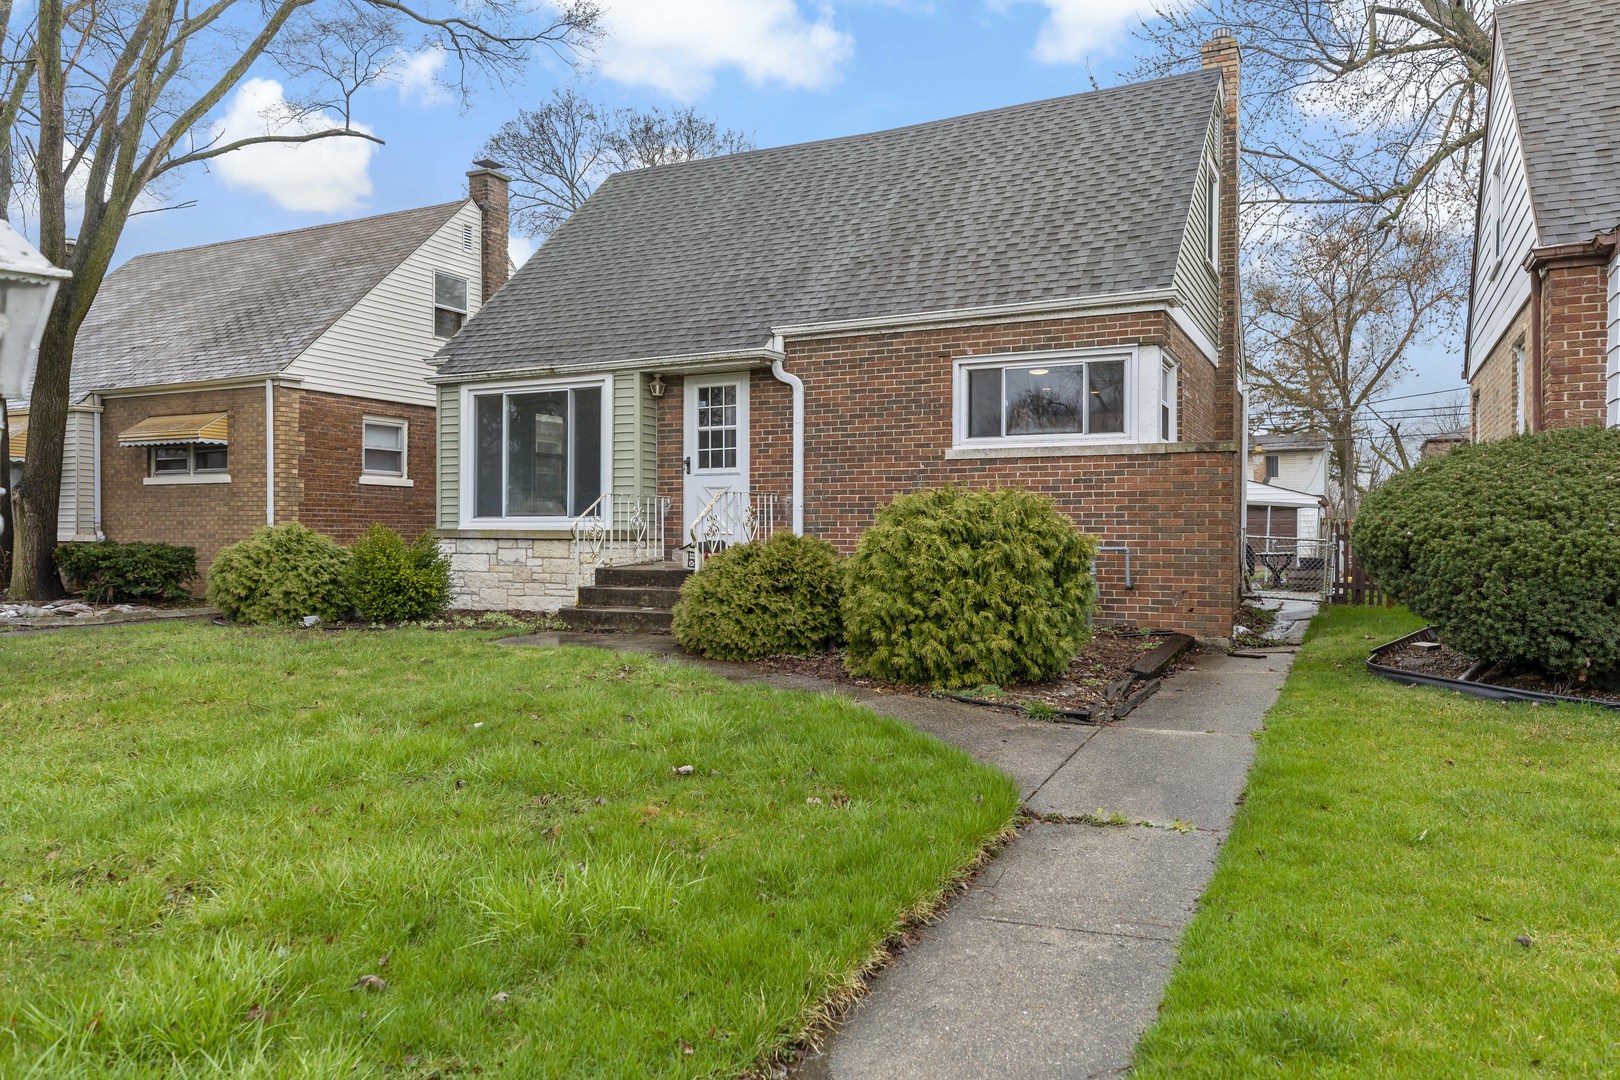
76 504
1196 281
1501 287
380 347
449 450
1297 470
1614 342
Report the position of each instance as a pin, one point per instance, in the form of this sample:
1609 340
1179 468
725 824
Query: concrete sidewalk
1053 962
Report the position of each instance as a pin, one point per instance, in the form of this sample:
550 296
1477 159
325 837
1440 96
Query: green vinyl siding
449 480
635 436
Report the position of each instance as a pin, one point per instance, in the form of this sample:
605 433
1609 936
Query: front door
716 456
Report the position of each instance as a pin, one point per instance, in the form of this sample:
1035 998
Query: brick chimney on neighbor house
1221 54
488 187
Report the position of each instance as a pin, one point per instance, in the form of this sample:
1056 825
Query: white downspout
782 374
269 451
95 477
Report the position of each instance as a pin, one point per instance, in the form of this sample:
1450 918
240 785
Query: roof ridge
294 232
861 136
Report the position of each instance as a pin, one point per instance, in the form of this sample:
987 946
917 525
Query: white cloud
678 48
1075 28
328 176
420 77
519 248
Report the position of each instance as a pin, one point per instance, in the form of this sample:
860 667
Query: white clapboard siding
449 450
379 348
1614 342
1302 471
1501 287
76 502
1196 282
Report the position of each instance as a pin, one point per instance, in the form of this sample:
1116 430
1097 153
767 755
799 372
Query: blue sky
781 70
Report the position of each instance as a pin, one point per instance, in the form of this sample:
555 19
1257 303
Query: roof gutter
727 360
1110 303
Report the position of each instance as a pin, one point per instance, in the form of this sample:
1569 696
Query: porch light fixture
28 284
656 387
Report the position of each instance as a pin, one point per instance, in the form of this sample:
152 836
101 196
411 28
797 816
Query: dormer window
449 304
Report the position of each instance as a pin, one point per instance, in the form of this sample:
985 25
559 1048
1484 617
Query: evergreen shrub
773 598
1510 549
957 588
107 571
280 574
391 581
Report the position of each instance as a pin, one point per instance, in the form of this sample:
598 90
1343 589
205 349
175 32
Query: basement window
449 304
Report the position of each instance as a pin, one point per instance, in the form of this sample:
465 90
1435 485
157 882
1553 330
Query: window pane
170 459
447 322
388 462
537 454
384 437
587 448
210 460
487 456
984 404
450 291
1042 400
1107 397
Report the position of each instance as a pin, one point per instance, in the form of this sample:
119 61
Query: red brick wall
334 501
1574 341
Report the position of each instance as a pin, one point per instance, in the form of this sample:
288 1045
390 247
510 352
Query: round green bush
1510 549
776 598
279 575
391 581
956 588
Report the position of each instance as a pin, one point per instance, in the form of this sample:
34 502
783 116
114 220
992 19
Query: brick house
1543 346
1042 296
275 378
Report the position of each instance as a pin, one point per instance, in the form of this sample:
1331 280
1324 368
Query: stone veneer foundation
512 573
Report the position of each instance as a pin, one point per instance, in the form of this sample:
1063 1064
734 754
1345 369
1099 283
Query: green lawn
207 836
1395 846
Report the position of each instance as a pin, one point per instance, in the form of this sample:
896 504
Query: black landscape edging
1477 689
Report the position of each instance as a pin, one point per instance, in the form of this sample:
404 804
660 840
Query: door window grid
717 426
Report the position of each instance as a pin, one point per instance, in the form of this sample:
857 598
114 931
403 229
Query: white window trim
1143 364
466 284
192 475
1212 219
467 467
187 478
1169 367
388 479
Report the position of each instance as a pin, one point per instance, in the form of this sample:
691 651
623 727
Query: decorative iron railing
621 529
735 517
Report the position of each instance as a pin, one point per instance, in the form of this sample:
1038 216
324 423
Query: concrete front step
628 619
643 575
628 596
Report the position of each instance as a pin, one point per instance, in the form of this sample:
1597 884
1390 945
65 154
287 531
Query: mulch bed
1448 663
1104 662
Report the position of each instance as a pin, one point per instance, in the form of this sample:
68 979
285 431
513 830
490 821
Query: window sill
387 481
971 453
189 478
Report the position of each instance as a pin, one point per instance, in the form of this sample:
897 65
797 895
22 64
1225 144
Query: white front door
716 454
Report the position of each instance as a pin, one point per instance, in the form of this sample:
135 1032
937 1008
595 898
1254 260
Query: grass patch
207 836
1418 884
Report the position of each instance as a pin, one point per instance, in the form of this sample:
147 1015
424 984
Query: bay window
538 452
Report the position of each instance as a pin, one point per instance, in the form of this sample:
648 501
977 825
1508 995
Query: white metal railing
621 529
735 517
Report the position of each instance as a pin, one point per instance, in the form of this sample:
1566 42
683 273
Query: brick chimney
488 187
1221 54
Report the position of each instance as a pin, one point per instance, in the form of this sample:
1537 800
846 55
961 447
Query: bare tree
103 101
559 152
1335 305
1377 103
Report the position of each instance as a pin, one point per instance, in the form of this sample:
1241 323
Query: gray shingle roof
1076 196
1566 94
1305 440
238 308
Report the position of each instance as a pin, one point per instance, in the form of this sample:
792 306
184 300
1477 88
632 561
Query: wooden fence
1351 584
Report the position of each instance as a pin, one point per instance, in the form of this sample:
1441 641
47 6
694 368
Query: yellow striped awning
210 428
17 428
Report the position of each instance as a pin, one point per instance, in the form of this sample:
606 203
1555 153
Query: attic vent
466 236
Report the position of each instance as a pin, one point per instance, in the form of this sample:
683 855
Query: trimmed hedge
107 571
956 588
280 574
776 598
1511 549
391 581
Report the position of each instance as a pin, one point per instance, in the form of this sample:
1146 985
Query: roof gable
239 308
1566 96
1052 200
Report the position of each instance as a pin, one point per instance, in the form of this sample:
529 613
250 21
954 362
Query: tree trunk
33 566
5 497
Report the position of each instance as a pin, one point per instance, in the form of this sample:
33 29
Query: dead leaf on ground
370 982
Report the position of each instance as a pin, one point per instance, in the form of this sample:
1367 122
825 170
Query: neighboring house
1287 486
1543 346
1042 296
276 378
1443 443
